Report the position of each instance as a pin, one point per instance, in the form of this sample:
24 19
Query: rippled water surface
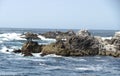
51 65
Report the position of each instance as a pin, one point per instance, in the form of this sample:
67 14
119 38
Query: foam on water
16 64
10 36
103 38
46 39
90 68
4 50
53 55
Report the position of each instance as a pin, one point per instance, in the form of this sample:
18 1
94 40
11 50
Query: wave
4 50
10 36
103 38
8 50
90 68
46 39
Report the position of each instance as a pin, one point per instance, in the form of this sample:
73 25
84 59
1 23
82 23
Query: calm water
52 65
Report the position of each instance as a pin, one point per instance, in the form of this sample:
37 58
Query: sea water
12 64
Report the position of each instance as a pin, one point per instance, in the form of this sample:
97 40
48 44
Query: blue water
52 65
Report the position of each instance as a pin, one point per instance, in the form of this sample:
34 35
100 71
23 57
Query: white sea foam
36 54
4 50
10 36
74 59
90 67
10 49
100 60
1 41
46 39
53 67
103 38
53 55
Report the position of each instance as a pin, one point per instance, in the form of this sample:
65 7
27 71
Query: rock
29 36
57 48
110 47
83 33
116 40
17 51
58 35
27 53
79 45
32 46
83 45
49 34
7 50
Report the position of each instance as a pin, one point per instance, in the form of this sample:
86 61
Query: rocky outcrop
58 34
116 40
57 48
30 36
28 48
80 44
83 44
32 46
110 47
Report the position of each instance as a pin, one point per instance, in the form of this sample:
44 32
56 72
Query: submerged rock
17 51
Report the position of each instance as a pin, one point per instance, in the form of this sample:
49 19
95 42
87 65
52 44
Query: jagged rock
83 45
116 40
110 47
29 36
75 46
57 48
83 33
32 46
80 44
49 34
58 35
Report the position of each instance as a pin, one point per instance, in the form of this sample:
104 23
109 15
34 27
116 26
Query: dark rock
17 51
83 45
7 50
58 34
49 34
27 53
29 36
74 46
32 47
80 44
57 48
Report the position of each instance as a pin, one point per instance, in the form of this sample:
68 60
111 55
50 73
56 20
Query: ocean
12 64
